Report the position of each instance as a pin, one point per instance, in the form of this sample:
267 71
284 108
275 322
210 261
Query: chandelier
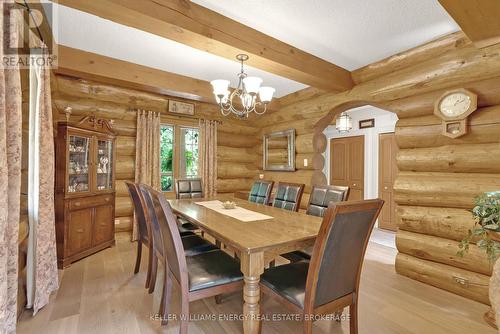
245 93
343 123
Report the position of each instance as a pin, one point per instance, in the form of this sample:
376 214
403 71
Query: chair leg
154 269
218 299
272 263
150 264
138 258
184 315
165 298
353 318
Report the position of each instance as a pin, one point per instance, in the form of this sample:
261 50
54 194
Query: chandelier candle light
247 90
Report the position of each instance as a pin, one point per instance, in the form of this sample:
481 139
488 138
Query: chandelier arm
261 112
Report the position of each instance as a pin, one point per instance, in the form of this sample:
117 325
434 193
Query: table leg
252 266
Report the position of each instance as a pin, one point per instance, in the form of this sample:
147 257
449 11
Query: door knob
385 188
354 185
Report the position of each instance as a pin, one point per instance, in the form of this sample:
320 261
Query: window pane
166 183
189 152
166 149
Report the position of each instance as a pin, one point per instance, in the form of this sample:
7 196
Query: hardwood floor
100 294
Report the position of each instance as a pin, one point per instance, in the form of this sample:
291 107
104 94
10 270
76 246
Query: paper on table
238 213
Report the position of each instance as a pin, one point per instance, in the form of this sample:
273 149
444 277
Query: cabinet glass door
78 165
104 163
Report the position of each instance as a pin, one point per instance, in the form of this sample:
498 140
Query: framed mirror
279 150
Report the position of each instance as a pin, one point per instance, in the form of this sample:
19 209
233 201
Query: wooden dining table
256 242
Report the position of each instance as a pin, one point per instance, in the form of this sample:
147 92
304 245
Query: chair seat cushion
194 245
211 269
299 255
289 281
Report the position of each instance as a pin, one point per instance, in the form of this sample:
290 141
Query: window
179 155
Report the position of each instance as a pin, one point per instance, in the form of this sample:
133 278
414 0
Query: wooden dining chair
288 196
191 243
261 192
321 197
200 276
144 228
187 189
330 280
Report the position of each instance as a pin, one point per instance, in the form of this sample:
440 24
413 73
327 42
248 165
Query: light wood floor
100 294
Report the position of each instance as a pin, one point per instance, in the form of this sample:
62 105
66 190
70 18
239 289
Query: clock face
455 104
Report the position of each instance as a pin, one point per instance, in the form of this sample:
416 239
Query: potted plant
487 232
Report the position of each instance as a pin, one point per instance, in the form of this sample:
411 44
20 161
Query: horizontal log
125 146
123 224
121 188
236 140
299 176
277 143
233 170
123 207
313 160
304 143
302 127
232 154
442 250
233 185
82 106
236 127
414 56
465 158
447 223
125 167
445 277
453 190
318 178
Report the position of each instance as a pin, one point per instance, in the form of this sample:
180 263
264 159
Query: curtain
495 291
147 156
10 178
42 278
208 156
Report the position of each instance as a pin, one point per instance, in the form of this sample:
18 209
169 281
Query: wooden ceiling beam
479 19
206 30
91 66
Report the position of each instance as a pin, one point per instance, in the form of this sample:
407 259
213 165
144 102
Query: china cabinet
85 188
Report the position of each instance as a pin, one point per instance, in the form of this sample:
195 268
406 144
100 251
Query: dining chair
261 192
186 189
144 228
330 280
192 244
321 197
288 196
200 276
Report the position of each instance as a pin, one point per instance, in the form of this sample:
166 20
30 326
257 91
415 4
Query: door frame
379 181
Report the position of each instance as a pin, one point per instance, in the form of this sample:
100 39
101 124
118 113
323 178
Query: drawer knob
354 185
107 199
80 230
385 188
77 203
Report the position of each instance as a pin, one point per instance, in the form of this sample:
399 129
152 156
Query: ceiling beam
201 28
91 66
479 19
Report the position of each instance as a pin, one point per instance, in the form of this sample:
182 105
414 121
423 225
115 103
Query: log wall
439 176
236 140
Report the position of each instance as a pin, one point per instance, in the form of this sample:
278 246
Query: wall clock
454 107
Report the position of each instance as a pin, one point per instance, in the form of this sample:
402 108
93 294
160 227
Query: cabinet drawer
88 202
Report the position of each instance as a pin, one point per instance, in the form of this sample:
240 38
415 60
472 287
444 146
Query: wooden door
387 172
347 164
103 224
79 230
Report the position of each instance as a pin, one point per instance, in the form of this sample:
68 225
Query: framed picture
367 123
178 107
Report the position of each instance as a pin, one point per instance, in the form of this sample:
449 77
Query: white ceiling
87 32
349 33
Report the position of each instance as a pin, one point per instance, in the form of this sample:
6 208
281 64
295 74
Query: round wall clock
453 107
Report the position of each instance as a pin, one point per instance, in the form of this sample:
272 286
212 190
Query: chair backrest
139 206
188 188
288 196
339 250
172 242
150 213
261 191
322 195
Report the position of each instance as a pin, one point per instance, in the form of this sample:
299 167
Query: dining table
256 242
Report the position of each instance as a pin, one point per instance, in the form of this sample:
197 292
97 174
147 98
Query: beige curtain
10 179
208 156
495 291
147 156
42 278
